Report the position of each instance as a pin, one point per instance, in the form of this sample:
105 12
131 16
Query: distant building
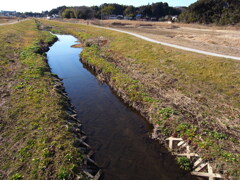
128 18
119 16
53 16
154 19
139 17
112 17
8 13
174 18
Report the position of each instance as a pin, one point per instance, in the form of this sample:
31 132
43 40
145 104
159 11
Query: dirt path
144 37
14 22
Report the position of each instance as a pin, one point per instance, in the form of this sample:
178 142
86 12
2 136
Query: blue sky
42 5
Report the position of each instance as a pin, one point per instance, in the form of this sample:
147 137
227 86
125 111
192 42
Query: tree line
221 12
155 10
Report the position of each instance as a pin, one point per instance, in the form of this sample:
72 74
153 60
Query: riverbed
118 135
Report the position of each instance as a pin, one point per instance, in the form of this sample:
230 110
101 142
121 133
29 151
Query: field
222 40
184 94
36 139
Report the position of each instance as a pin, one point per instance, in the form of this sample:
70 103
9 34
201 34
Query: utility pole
101 15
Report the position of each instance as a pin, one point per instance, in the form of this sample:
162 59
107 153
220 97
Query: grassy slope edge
184 94
36 139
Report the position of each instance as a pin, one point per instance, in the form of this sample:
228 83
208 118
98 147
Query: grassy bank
192 96
36 139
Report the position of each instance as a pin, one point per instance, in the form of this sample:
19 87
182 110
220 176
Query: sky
43 5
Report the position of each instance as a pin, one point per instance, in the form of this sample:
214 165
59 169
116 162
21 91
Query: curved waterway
118 135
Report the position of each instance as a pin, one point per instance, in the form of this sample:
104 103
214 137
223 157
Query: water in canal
118 135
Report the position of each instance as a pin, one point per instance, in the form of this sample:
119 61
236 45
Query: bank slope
184 94
37 134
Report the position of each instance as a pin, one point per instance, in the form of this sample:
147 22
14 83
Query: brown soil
77 46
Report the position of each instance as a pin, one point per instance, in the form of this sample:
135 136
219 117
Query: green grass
35 144
189 95
184 163
166 113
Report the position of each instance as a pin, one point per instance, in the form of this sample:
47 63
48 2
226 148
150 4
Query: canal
118 135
